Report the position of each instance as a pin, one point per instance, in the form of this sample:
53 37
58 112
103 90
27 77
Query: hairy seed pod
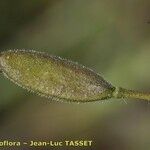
54 77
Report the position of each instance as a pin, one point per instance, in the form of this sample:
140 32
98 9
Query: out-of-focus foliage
112 37
15 14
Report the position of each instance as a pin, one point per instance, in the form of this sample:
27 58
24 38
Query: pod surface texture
54 77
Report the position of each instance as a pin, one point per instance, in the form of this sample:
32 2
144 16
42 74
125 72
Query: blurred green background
112 38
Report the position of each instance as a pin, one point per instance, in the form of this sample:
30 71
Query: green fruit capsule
54 77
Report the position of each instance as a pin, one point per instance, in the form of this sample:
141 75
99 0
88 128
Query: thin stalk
125 93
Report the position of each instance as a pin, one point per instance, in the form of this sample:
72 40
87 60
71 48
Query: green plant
61 79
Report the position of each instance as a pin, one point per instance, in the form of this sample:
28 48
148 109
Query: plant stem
124 93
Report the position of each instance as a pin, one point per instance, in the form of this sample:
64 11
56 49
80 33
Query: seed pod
54 77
